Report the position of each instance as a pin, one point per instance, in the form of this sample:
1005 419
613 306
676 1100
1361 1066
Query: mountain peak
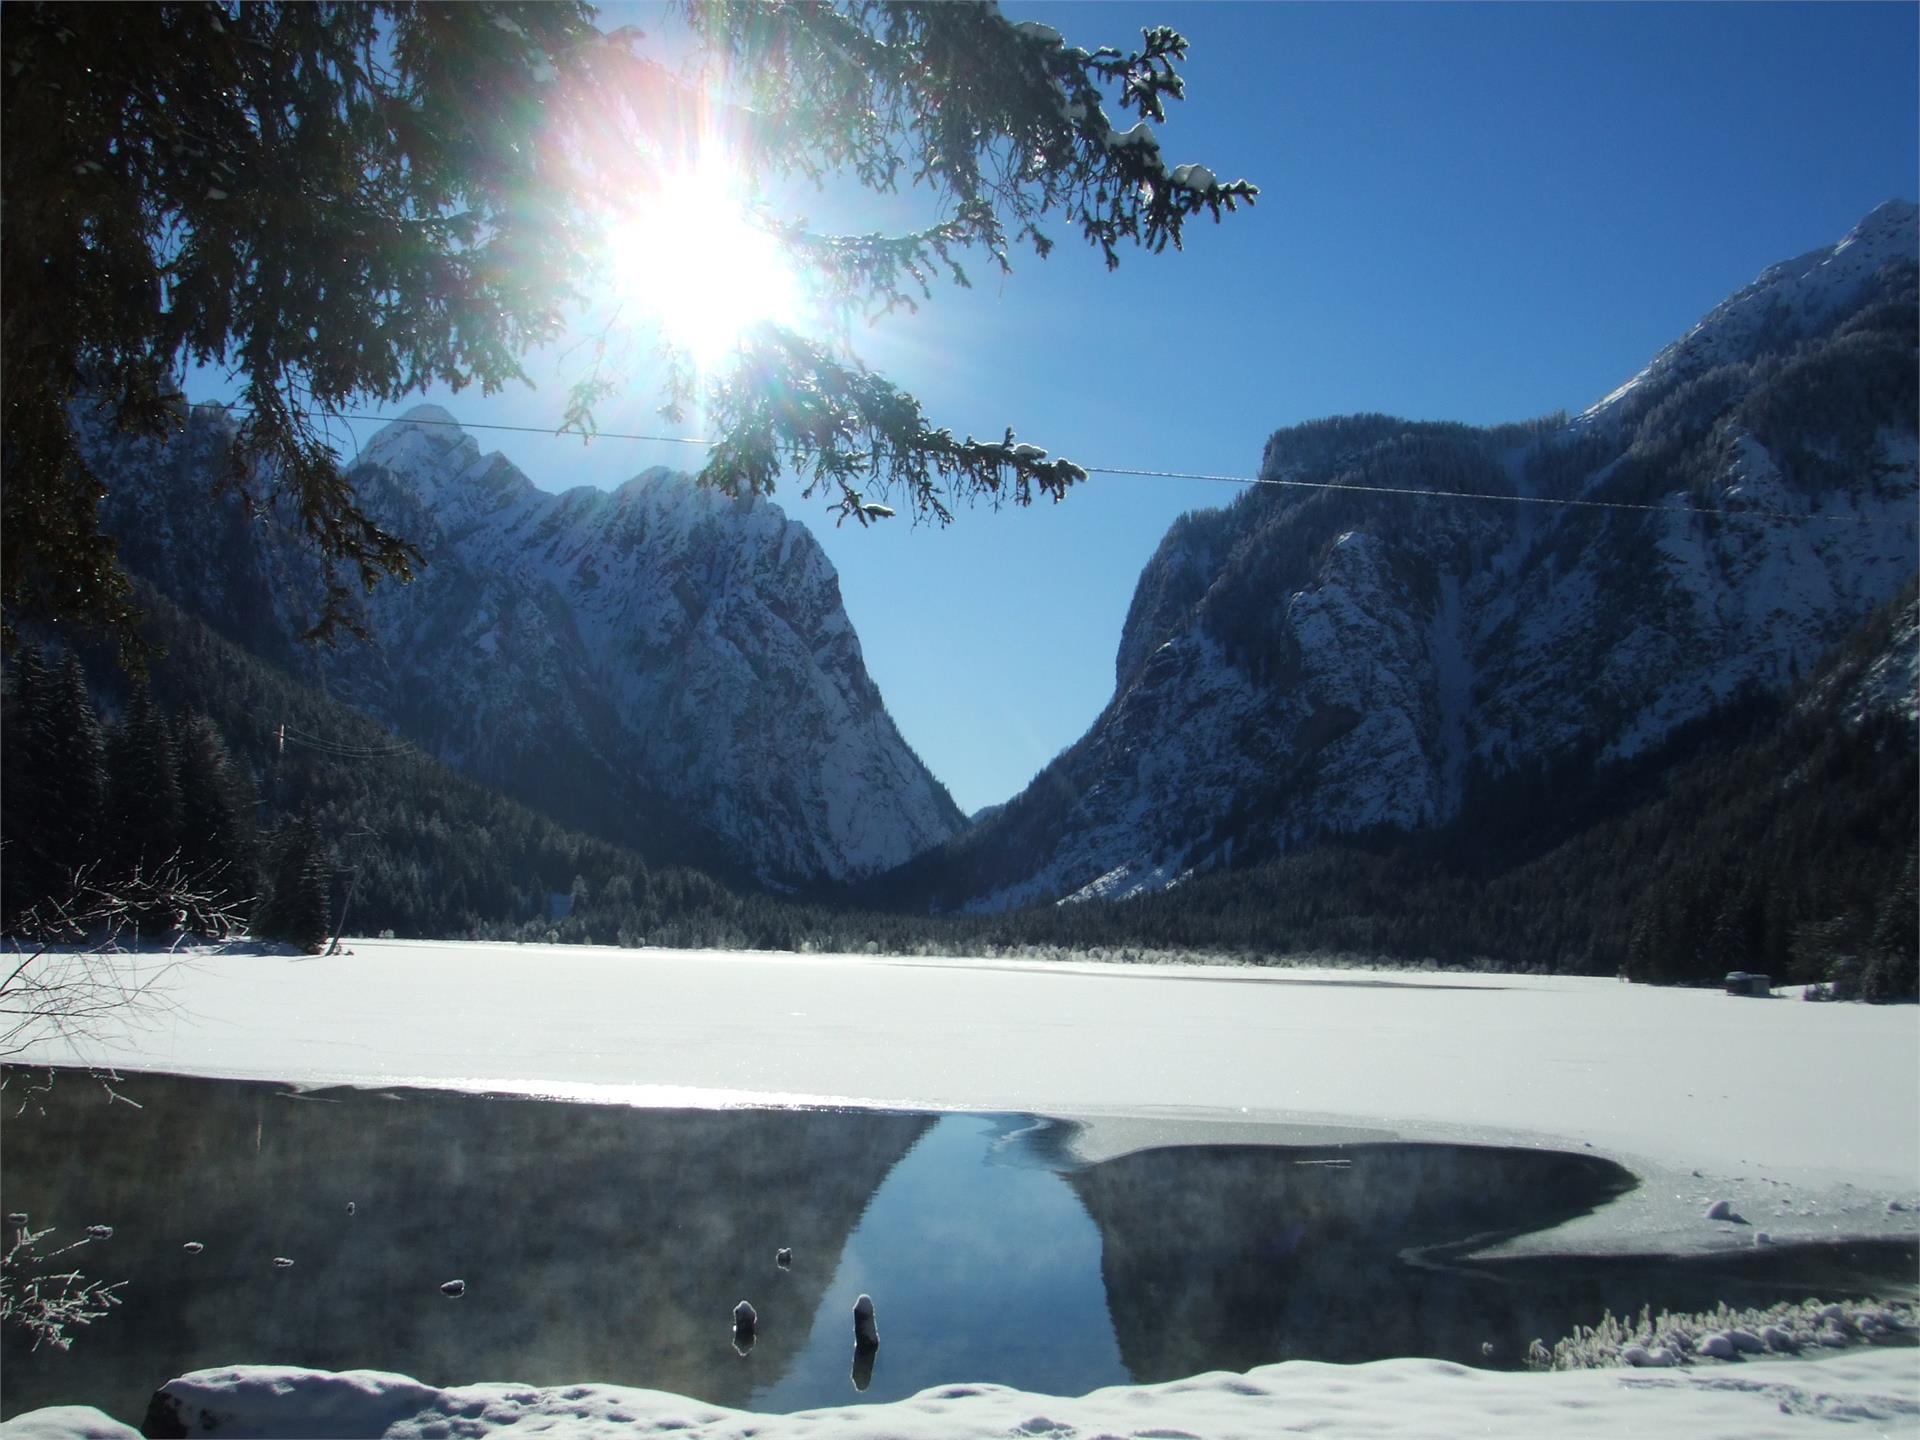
423 430
427 450
1889 214
429 415
1887 233
1295 674
1791 300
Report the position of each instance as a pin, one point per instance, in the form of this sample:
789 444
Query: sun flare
691 260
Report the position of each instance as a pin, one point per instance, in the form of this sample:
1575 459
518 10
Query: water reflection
1229 1256
1234 1256
981 1266
601 1243
597 1242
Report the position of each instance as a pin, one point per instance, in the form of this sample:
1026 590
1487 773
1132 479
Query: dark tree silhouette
143 788
295 909
344 203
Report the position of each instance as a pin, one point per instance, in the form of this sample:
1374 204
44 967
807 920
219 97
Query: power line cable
553 432
1515 499
349 756
344 752
1569 502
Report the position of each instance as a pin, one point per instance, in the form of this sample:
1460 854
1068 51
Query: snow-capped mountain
1787 302
658 663
1317 662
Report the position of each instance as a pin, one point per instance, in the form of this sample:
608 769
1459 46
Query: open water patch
603 1243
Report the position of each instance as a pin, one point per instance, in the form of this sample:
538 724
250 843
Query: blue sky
1469 212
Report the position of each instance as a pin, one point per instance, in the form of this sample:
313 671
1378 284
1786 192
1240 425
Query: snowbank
66 1422
1751 1401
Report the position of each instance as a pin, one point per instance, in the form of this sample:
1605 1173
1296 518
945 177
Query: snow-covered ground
1862 1393
1806 1118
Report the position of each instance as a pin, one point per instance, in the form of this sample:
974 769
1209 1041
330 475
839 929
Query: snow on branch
856 436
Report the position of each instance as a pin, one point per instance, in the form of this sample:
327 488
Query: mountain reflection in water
597 1242
1226 1257
611 1244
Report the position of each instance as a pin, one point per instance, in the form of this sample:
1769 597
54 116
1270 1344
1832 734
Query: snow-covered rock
1787 301
1312 663
67 1422
659 663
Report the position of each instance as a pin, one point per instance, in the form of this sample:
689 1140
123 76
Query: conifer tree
76 779
295 910
52 790
25 879
214 840
347 204
143 788
1893 969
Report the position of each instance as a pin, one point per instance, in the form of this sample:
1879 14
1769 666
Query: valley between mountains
1388 702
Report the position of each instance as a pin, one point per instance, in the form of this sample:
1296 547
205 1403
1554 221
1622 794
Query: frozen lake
1804 1117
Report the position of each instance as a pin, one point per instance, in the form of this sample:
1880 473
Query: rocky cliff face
658 663
1311 662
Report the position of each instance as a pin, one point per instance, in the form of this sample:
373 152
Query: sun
690 259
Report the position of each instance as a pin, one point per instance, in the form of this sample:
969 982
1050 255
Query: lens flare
691 259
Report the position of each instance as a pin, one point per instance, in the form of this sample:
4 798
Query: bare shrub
44 1299
102 951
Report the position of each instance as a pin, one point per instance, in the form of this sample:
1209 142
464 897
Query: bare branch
44 1303
82 960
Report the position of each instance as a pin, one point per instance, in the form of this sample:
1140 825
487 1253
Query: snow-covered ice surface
1867 1393
1804 1117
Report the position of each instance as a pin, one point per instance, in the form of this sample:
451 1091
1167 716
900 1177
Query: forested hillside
1778 835
426 852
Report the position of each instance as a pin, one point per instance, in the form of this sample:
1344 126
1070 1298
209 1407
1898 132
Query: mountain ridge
1310 663
660 664
1788 297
